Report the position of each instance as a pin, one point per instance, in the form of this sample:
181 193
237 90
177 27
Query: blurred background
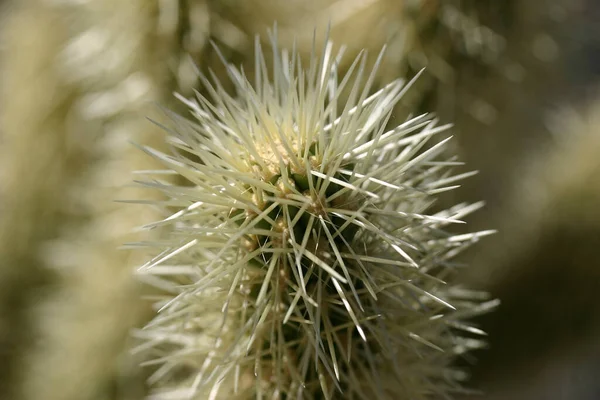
519 79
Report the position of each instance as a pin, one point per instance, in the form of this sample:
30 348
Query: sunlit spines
310 216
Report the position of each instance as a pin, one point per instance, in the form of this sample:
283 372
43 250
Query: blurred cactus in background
78 79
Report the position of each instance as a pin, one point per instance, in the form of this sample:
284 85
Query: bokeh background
518 78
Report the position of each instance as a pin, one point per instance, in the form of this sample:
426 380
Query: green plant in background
302 261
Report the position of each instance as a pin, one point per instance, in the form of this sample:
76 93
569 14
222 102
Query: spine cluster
302 262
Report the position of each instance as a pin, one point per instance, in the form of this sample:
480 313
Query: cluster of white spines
301 263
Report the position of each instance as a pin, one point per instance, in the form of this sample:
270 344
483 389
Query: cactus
302 262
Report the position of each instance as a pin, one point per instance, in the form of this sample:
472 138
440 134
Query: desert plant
302 262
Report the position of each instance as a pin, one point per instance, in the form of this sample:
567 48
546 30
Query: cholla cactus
301 262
